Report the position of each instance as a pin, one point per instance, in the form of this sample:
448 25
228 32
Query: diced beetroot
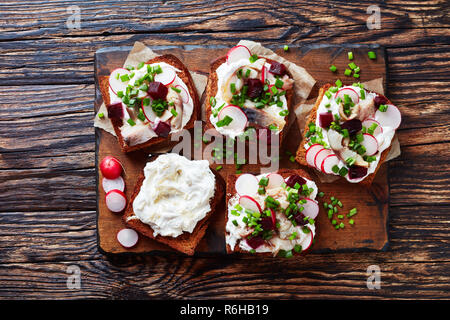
325 119
300 219
255 242
356 172
157 90
292 180
115 110
379 100
277 68
267 223
162 129
255 88
353 126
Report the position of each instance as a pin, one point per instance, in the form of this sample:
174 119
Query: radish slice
311 153
264 74
184 94
239 121
115 84
311 208
149 114
237 53
275 180
368 122
350 92
127 237
111 184
328 163
249 203
306 244
116 200
370 143
166 77
322 154
390 118
246 184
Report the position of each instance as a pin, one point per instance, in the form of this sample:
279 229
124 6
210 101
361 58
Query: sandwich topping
151 99
352 128
272 214
251 92
175 194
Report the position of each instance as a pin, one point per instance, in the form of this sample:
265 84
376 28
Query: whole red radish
110 167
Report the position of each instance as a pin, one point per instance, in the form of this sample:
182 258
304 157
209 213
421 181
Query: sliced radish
249 203
127 237
328 163
237 53
311 153
275 180
111 184
246 184
311 208
390 118
306 244
348 91
369 122
115 84
322 154
116 200
111 167
239 119
273 216
370 143
184 94
149 114
264 73
167 76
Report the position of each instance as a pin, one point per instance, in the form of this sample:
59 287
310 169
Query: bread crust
186 242
300 156
156 142
211 91
230 192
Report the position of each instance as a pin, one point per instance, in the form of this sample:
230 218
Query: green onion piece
140 65
338 83
343 171
355 75
235 223
264 181
341 225
101 115
350 55
261 190
173 112
176 89
352 65
131 122
328 94
372 55
233 88
335 169
347 72
253 58
279 83
212 101
297 248
124 78
351 221
357 70
333 222
333 68
158 69
284 113
292 159
383 107
224 122
321 194
247 73
362 93
286 47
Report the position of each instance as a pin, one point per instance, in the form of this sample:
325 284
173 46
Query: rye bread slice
211 91
231 191
155 143
186 242
301 151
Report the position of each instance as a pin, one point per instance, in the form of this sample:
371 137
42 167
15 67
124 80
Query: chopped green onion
286 47
338 83
124 78
173 112
212 101
233 88
131 122
140 65
176 89
352 65
357 70
383 107
350 55
347 72
264 181
253 58
235 223
351 221
224 122
333 68
101 115
372 55
355 75
284 113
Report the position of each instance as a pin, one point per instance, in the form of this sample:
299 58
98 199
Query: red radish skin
390 118
249 203
311 239
370 143
166 77
328 163
111 184
149 114
128 238
240 120
320 156
110 167
117 84
184 95
311 208
116 201
349 91
263 74
311 153
237 53
246 184
275 180
368 122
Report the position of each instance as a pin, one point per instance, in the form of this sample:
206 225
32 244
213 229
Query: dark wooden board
370 230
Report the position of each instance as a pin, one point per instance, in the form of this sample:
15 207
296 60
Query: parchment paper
140 52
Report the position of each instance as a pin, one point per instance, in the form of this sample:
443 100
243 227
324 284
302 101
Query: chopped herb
124 78
284 113
212 101
297 248
333 68
383 107
224 122
131 122
176 89
101 115
235 223
286 47
355 75
140 65
347 72
253 58
352 65
372 55
338 83
173 112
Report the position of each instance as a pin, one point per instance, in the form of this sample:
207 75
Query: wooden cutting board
370 229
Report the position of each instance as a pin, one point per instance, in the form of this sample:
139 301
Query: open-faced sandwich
349 132
245 90
271 213
148 103
173 200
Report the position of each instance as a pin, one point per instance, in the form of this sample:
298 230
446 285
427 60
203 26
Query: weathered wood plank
112 17
209 278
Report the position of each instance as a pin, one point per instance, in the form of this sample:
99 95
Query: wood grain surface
47 149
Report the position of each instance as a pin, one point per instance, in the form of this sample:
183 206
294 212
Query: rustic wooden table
47 172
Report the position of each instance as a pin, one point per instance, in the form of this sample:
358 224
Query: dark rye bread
231 191
211 91
157 142
301 151
186 242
